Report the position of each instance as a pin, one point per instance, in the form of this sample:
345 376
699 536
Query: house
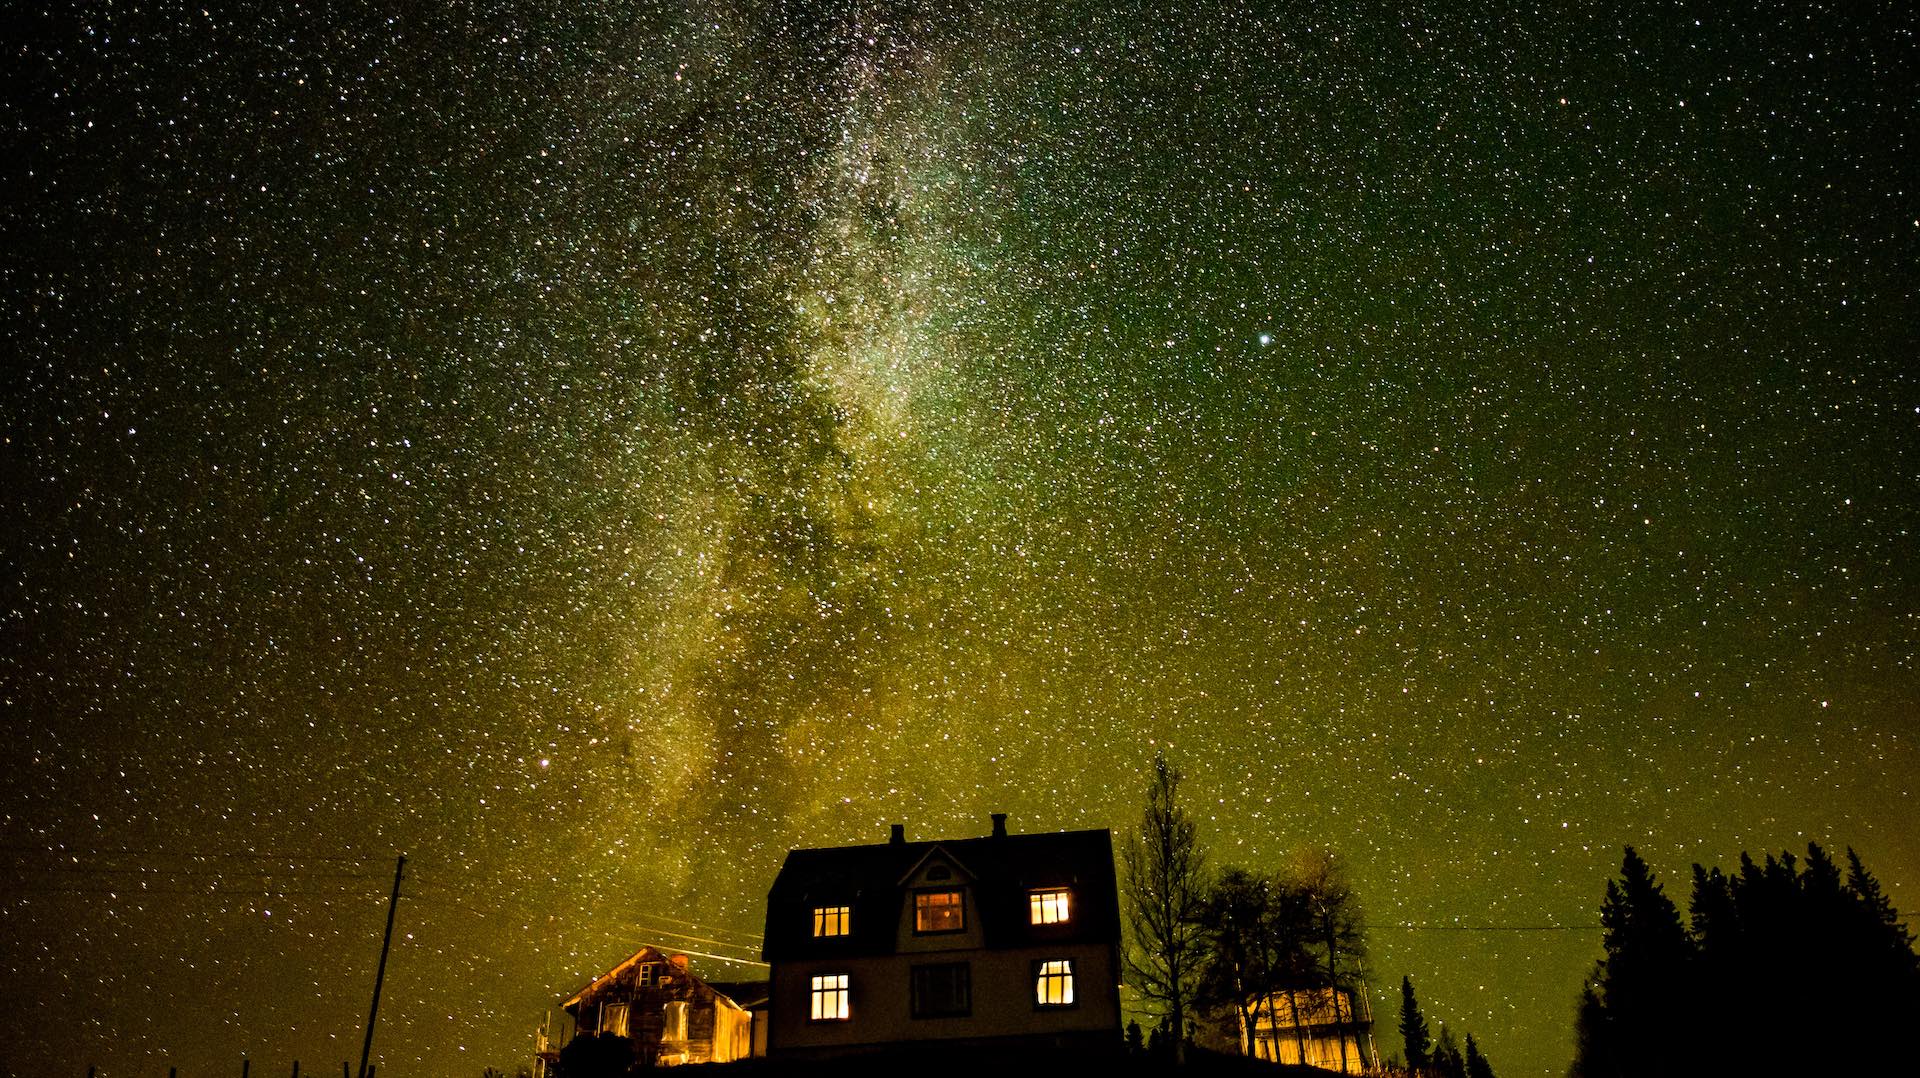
1329 1028
1002 941
669 1015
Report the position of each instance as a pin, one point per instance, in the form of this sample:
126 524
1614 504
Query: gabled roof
872 879
648 953
935 850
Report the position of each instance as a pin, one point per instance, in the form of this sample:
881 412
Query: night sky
592 448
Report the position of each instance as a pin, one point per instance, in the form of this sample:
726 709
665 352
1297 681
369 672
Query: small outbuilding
668 1015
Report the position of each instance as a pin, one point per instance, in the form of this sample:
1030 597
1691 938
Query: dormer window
832 920
939 911
1049 906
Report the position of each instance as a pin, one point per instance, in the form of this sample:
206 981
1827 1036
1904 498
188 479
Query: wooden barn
668 1014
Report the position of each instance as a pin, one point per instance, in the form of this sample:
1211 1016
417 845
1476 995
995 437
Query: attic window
832 920
1049 907
939 911
649 974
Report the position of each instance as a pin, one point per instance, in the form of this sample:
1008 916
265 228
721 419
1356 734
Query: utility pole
366 1046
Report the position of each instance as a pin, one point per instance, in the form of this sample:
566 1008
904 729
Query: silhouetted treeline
1428 1058
1780 968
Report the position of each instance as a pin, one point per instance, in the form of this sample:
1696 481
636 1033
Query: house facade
667 1014
996 941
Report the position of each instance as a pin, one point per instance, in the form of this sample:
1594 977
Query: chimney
679 962
999 825
897 836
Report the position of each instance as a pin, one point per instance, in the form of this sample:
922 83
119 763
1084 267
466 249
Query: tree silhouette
591 1056
1237 918
1477 1065
1413 1028
1166 890
1779 945
1640 984
1446 1061
1335 918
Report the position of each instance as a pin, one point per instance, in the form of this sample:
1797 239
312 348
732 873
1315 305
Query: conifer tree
1477 1065
1446 1061
1413 1028
1640 991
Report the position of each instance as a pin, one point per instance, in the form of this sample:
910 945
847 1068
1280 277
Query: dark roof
1004 867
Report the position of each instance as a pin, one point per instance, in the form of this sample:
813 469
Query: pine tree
1477 1065
1413 1028
1446 1061
1877 914
1640 998
1885 971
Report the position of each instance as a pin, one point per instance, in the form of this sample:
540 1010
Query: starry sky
595 447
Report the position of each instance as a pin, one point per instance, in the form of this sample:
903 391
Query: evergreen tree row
1430 1058
1780 968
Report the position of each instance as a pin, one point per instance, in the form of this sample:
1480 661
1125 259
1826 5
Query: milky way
594 448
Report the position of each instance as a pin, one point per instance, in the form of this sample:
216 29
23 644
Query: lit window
649 974
674 1021
613 1020
1053 983
939 911
832 920
942 991
1048 907
830 998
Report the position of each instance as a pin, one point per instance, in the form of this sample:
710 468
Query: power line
682 950
438 893
1482 928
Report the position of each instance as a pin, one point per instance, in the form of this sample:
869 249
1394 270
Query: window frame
1041 976
1038 906
825 917
818 992
916 1003
960 906
648 974
673 1018
625 1013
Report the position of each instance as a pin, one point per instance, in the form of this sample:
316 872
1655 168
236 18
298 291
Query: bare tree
1166 895
1236 918
1335 917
